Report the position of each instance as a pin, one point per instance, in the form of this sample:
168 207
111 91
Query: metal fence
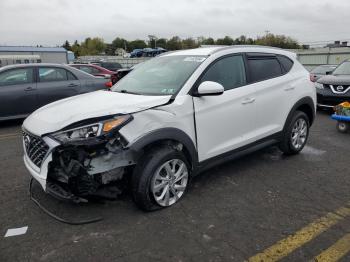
310 58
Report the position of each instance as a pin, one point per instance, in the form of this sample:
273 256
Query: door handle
72 85
248 101
29 88
289 88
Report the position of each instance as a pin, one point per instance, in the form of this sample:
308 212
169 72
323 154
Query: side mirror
210 88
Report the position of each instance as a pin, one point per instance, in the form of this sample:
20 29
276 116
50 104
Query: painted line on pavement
336 251
286 246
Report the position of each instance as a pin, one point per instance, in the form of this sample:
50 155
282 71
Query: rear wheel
296 134
160 179
343 127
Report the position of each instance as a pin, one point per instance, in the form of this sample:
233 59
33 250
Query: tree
281 41
93 46
67 46
118 43
76 48
189 43
136 44
225 41
161 42
207 41
174 43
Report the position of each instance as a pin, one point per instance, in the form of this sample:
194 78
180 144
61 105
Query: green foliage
92 46
225 41
118 43
189 43
76 48
174 43
281 41
206 41
136 44
162 42
67 46
96 46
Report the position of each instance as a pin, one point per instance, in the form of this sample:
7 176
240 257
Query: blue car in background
147 52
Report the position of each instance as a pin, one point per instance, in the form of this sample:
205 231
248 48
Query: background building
24 54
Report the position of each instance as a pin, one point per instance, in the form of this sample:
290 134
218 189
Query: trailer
19 59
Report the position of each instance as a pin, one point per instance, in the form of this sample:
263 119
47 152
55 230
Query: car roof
207 51
31 65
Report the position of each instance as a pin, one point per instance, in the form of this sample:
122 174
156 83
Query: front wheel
296 134
160 179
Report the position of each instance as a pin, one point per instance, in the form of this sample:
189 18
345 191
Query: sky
51 22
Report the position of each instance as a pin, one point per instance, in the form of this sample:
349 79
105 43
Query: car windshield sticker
194 59
168 91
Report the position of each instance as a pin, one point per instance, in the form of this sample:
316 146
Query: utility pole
153 38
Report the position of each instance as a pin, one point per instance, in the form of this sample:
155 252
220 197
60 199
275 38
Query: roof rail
239 46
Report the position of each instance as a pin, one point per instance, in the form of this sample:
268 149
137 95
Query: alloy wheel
169 182
299 133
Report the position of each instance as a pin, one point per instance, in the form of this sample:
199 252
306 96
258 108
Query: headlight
319 86
93 130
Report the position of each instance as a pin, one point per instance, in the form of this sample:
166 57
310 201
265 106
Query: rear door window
263 68
16 76
228 71
52 74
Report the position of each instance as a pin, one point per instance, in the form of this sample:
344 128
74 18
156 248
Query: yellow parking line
336 251
286 246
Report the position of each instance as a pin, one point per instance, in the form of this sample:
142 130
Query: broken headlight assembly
92 130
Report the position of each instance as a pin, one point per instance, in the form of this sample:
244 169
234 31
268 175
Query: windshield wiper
128 92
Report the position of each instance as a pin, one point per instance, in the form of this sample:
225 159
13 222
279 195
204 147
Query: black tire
343 127
144 172
286 145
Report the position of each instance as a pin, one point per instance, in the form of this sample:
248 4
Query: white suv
169 119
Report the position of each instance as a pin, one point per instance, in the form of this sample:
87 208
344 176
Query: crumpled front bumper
39 175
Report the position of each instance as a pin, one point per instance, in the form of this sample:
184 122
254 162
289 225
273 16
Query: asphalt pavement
262 207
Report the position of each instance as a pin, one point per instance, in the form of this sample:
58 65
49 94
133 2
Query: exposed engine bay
93 167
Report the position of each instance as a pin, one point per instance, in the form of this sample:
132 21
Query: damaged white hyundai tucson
169 119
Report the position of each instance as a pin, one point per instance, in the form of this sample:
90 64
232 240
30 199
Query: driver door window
228 71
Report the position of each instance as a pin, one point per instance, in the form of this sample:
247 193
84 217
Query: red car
97 71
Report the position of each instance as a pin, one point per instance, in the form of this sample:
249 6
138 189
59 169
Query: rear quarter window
286 63
263 68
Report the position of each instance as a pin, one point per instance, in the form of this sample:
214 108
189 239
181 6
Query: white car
169 119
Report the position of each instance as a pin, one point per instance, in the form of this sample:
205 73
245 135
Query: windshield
343 69
159 76
322 70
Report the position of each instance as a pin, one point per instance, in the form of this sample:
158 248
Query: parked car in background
136 53
96 70
112 66
147 52
26 87
334 88
320 71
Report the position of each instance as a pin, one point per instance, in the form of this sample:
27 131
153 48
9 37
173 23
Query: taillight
109 84
312 78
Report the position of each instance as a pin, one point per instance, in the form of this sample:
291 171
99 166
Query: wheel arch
167 136
305 105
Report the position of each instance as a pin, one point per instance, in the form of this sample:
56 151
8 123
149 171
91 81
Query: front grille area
35 148
343 88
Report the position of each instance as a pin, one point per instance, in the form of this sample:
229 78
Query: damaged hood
335 80
62 113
